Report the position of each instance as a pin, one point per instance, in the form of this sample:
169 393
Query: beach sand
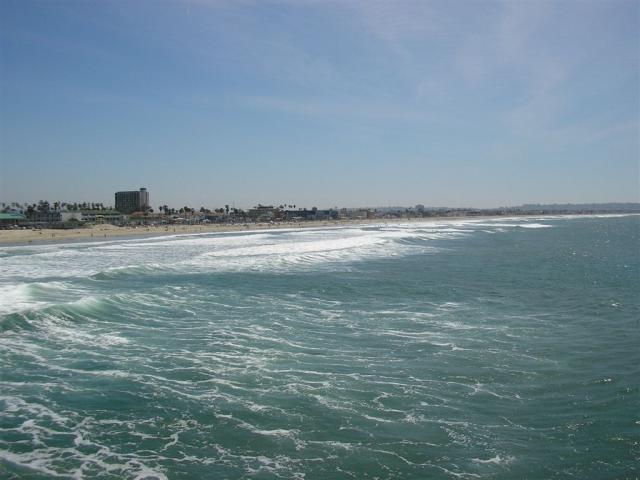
101 232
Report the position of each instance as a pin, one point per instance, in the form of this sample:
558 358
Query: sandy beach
101 232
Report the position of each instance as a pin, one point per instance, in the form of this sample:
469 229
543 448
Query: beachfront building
93 216
44 217
150 218
311 215
356 213
11 219
132 201
262 213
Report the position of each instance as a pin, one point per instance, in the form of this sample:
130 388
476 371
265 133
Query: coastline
110 232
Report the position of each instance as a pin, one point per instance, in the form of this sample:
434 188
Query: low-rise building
11 219
313 214
46 217
93 216
262 213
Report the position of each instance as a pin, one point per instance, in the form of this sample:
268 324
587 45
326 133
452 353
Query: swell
143 373
272 253
132 270
91 308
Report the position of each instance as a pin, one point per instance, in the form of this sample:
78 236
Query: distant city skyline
321 103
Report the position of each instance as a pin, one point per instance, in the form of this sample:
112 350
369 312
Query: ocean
487 348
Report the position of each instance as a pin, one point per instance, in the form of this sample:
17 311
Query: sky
320 103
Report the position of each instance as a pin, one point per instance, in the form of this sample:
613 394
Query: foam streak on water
449 349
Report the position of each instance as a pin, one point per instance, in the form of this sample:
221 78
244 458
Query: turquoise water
502 348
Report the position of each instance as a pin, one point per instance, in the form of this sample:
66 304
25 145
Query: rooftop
12 216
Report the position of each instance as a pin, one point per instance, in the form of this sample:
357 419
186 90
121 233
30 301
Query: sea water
502 348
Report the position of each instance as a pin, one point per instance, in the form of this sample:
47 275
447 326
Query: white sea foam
46 461
194 359
260 250
16 297
497 460
535 225
299 252
32 409
278 432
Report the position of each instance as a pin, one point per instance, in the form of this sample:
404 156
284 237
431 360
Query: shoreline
10 238
47 236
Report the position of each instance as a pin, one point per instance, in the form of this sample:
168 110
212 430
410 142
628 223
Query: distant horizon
331 103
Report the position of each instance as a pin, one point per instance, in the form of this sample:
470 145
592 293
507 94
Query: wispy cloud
475 84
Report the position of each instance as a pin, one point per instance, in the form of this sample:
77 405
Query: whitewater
458 348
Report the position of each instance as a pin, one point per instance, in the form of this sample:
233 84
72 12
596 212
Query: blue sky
320 103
